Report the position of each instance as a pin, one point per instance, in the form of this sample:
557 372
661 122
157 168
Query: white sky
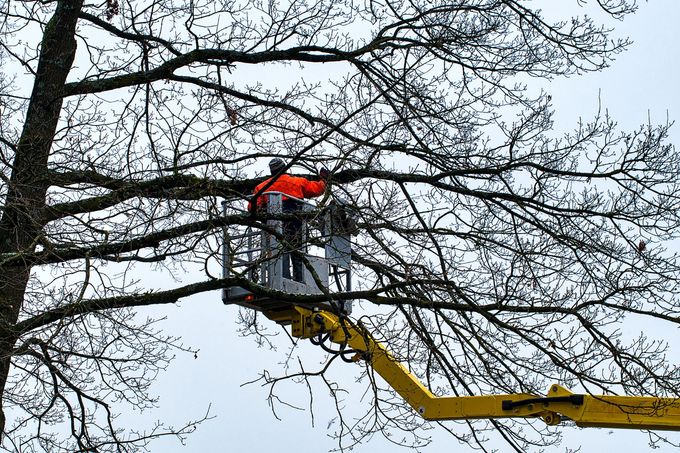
640 85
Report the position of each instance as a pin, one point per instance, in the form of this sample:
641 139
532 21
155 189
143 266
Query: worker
289 186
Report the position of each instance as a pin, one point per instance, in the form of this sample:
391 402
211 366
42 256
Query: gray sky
640 86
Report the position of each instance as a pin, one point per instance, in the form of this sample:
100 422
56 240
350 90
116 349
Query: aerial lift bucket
259 255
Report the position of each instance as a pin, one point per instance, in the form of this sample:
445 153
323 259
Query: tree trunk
21 224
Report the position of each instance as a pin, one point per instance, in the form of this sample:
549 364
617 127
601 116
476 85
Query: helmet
276 165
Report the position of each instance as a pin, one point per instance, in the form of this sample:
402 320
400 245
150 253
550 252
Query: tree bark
21 224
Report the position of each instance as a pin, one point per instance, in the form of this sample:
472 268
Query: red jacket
290 185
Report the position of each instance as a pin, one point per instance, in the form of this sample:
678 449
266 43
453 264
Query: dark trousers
292 236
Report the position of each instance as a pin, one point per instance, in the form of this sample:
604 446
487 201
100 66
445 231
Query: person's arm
312 188
257 200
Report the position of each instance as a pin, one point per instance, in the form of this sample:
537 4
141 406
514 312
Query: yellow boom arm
586 410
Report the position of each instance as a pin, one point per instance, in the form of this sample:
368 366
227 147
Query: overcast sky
640 85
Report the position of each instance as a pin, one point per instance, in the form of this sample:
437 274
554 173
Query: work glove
324 173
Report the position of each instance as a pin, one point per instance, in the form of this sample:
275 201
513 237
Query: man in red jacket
296 187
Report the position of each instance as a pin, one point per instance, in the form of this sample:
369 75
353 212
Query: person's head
276 165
